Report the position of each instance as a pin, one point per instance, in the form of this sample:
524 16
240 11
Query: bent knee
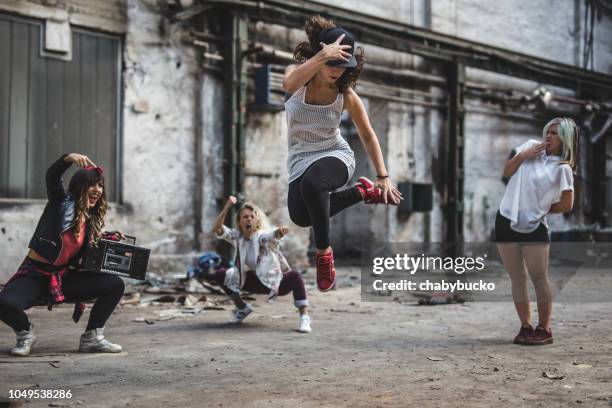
10 303
300 220
116 284
293 275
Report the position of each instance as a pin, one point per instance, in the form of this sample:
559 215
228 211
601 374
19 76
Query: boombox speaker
117 258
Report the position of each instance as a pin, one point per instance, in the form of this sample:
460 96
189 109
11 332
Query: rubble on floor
180 296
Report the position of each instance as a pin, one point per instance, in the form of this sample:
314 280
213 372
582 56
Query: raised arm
297 76
280 232
218 227
515 162
53 178
355 108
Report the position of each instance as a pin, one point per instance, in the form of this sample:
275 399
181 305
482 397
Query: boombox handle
133 238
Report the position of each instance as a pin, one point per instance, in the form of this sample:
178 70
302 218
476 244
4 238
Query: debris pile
179 297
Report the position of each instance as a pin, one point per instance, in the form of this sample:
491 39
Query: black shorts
504 233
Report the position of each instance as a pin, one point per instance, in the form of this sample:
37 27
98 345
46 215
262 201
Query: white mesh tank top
314 133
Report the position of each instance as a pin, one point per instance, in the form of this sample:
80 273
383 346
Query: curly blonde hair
261 220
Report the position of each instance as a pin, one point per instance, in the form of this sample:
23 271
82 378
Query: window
49 106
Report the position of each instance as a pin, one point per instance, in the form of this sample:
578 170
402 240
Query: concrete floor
358 355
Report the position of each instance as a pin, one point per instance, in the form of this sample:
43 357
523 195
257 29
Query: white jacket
270 261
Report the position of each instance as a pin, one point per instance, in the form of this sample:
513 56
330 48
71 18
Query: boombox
118 258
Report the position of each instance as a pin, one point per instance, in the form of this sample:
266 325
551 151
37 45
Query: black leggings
25 291
310 202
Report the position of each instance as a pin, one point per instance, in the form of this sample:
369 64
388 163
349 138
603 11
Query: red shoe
525 333
326 273
539 337
369 193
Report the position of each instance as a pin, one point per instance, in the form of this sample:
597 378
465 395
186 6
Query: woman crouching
71 223
260 266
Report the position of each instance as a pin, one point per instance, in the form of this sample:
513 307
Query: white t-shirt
533 188
250 256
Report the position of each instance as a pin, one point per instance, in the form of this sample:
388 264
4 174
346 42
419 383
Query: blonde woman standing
541 182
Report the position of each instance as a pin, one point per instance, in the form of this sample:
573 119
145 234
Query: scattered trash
437 298
435 358
187 296
131 299
194 286
165 289
581 365
165 299
54 364
204 265
551 376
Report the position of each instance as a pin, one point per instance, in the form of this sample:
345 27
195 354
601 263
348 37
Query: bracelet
382 177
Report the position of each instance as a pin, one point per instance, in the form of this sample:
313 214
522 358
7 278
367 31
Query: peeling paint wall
158 148
158 155
411 136
160 110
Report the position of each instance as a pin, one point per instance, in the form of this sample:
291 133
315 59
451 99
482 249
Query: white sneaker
25 340
241 314
304 324
93 341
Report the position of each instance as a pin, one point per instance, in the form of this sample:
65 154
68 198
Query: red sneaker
523 334
540 337
369 193
326 273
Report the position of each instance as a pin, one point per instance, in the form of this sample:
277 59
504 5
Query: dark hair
305 50
94 217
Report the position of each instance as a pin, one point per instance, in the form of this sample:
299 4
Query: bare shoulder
351 99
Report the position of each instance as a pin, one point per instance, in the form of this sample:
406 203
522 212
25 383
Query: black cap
331 35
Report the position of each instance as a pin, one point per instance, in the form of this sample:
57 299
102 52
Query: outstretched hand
389 192
282 231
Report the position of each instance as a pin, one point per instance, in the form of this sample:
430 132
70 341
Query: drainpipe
235 90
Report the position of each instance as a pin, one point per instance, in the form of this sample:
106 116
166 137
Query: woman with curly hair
71 223
260 264
321 84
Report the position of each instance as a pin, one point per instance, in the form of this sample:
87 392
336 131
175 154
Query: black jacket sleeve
55 184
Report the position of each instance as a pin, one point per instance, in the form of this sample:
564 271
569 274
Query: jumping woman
71 223
320 161
541 182
260 265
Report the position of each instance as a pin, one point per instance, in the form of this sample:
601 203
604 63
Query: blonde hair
568 133
261 220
